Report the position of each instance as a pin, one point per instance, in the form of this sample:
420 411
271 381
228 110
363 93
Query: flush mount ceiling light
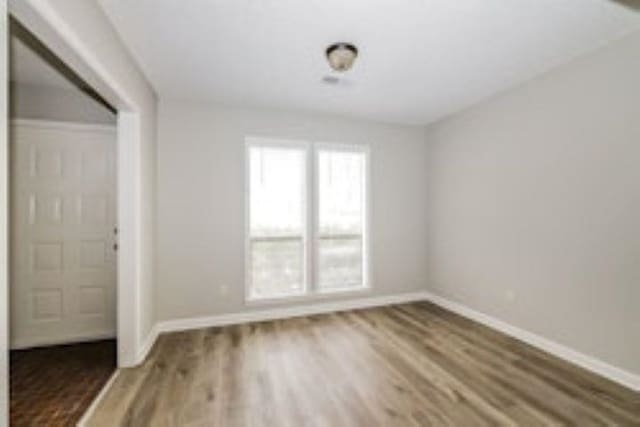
341 56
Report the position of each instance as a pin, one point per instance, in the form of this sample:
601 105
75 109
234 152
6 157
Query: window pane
341 219
340 262
277 267
277 220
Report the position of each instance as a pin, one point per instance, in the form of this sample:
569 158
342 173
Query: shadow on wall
26 37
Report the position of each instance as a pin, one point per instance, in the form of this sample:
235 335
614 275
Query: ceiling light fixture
341 56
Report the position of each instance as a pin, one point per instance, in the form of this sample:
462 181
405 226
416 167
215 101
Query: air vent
331 80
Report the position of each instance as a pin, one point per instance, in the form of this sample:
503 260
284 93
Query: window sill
306 297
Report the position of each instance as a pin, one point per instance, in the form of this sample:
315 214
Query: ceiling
419 60
27 67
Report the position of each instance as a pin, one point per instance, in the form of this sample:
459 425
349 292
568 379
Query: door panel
63 278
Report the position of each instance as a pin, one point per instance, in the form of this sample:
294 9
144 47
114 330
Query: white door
63 259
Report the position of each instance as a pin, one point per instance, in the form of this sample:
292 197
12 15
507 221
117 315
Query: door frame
43 21
4 211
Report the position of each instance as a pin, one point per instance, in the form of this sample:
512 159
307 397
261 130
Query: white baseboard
91 409
25 343
587 362
147 345
286 312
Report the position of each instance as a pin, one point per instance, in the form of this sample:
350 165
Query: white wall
81 35
201 202
29 101
534 206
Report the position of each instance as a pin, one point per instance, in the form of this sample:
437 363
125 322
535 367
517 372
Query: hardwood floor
409 364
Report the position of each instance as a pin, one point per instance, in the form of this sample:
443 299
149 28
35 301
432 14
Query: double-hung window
306 218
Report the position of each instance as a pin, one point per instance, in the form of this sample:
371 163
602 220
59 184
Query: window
296 190
341 218
277 220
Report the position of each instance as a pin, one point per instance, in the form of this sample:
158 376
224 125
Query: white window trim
310 290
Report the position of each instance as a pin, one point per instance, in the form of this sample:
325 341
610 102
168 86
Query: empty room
320 213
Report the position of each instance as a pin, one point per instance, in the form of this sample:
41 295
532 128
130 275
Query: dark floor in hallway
53 386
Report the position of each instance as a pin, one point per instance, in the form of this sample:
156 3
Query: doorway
63 237
79 34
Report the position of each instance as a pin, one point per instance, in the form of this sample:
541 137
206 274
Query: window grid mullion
312 219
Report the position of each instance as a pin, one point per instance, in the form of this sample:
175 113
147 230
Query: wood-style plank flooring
403 365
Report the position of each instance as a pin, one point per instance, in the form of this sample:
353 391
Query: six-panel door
63 259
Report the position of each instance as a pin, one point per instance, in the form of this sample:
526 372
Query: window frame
311 288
